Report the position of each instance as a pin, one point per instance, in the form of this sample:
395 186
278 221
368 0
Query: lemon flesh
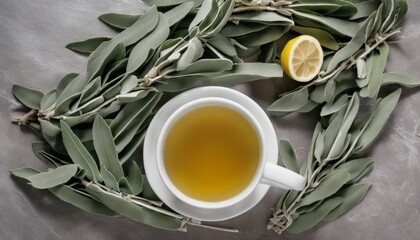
302 58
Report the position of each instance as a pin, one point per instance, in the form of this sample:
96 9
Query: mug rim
184 109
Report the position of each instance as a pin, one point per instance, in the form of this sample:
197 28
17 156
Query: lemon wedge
302 58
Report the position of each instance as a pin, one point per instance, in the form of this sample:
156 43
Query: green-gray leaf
400 79
308 220
135 179
68 194
177 13
203 11
290 102
245 72
109 179
327 187
29 97
88 45
141 50
332 107
124 186
351 196
118 20
288 155
356 167
333 25
131 118
378 120
103 142
48 99
72 196
64 82
325 38
78 153
55 177
133 211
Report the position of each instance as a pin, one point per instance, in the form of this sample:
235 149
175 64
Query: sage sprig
332 186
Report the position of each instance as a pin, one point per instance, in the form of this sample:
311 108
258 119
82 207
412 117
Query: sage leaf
109 179
137 213
204 67
70 92
319 146
288 155
29 97
48 99
351 112
124 186
244 28
23 172
115 70
329 185
223 44
308 220
291 101
203 11
119 21
91 89
65 104
245 72
351 196
106 52
329 91
152 41
378 120
351 48
131 147
88 45
332 131
266 35
73 197
332 107
325 38
221 19
365 9
400 79
52 134
167 3
264 17
64 82
147 190
38 147
335 26
194 51
177 13
134 96
378 66
115 49
78 153
103 142
135 179
356 167
55 177
129 84
130 118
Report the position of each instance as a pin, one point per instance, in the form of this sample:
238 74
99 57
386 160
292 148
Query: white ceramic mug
266 172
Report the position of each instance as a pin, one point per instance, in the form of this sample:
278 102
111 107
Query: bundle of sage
93 122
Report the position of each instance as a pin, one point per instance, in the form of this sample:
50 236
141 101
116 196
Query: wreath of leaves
92 122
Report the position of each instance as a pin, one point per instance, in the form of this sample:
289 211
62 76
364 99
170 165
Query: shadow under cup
211 165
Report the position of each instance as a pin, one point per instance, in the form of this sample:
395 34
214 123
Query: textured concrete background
32 39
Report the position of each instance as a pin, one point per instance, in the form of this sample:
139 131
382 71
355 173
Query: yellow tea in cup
211 153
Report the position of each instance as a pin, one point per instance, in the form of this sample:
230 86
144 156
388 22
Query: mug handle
280 177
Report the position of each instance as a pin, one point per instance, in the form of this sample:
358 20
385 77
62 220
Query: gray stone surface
32 39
